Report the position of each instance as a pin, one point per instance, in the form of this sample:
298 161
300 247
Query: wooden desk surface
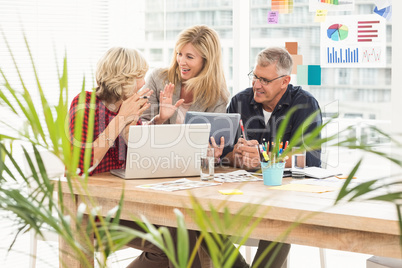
366 227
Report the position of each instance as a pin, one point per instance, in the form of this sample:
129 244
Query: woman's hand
166 107
132 108
218 150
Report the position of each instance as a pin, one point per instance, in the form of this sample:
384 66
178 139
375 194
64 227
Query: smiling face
190 62
269 95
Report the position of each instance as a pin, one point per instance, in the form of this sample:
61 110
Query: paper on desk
181 184
235 176
305 188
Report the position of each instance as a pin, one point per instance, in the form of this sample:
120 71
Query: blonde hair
278 56
117 73
209 86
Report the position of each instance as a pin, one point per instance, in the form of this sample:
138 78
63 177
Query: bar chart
282 6
333 2
342 55
331 5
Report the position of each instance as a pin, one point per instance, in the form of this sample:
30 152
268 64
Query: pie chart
337 32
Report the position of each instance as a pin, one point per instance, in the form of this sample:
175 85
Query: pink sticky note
273 17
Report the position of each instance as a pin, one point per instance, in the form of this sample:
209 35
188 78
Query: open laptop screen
165 150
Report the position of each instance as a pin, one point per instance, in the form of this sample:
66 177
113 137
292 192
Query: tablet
222 124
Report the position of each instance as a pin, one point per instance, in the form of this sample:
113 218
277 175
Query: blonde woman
119 75
194 81
195 77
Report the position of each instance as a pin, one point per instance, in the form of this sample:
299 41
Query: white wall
396 83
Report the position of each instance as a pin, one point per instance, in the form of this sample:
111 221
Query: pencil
242 129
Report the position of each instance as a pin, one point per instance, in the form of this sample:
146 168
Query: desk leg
206 261
67 256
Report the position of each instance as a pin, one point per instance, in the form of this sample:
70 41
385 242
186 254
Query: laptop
156 151
222 124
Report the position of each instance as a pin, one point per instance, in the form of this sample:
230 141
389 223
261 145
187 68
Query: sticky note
320 15
297 60
302 74
291 47
314 75
304 188
273 17
230 191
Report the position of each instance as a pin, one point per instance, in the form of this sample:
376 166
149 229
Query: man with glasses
262 107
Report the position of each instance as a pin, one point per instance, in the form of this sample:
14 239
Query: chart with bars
341 55
331 5
332 2
357 41
367 30
282 6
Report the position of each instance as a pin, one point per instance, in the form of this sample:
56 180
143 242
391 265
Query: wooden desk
365 227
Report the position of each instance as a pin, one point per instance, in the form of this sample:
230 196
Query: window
53 29
343 76
288 30
180 15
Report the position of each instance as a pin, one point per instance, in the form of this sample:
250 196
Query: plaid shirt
115 157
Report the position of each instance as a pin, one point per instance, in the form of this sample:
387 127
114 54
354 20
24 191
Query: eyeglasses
263 81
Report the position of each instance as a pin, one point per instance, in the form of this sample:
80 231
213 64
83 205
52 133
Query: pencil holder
272 173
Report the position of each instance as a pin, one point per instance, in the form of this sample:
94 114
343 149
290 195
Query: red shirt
115 157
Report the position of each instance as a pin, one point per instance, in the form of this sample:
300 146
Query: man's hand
247 150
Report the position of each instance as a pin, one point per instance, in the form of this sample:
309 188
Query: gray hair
278 56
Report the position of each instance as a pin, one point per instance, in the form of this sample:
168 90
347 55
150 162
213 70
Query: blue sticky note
314 75
302 73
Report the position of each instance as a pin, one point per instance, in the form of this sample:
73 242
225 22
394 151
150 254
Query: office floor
300 256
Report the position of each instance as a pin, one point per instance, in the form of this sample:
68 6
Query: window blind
53 29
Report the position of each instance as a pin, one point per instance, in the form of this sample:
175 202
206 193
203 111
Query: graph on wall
332 5
383 8
353 41
282 6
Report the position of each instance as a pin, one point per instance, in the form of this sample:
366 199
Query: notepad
320 173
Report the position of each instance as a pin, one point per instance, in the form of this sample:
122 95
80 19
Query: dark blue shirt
254 124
